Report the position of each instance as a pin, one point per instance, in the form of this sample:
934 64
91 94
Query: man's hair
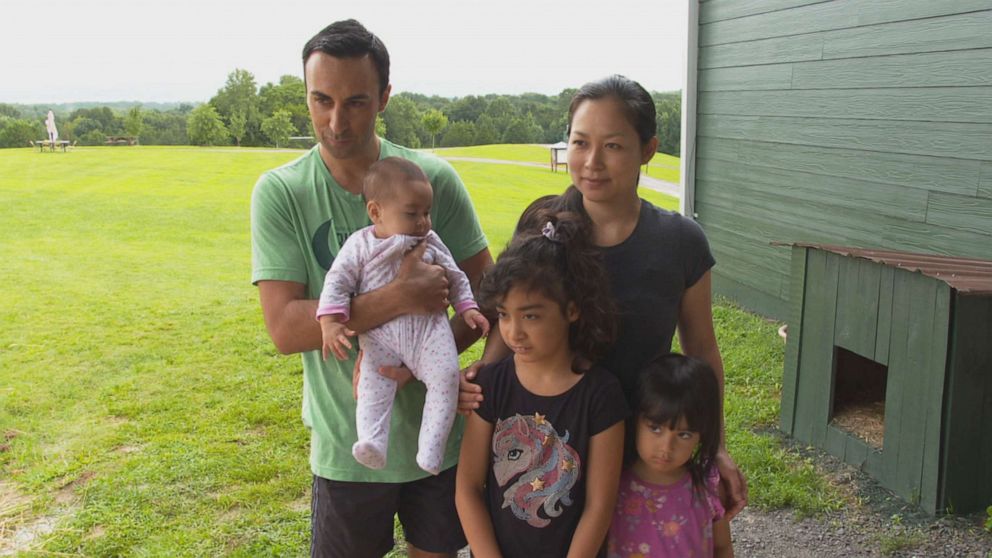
350 39
386 176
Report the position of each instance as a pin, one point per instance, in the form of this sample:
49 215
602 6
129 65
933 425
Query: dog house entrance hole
859 396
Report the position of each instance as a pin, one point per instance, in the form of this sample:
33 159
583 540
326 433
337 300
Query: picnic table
121 140
42 144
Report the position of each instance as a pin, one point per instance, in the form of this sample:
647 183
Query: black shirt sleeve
608 406
697 258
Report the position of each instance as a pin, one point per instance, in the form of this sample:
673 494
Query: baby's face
407 212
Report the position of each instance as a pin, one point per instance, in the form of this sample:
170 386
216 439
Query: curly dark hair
675 386
566 269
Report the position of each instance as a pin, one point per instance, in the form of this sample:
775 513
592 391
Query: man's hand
400 374
476 320
335 337
469 393
734 482
425 285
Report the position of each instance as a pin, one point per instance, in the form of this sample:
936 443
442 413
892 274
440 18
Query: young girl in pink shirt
668 504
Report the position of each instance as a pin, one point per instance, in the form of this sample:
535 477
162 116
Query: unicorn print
528 447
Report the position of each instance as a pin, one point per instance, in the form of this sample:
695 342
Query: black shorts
355 519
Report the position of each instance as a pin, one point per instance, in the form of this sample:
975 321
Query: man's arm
289 316
469 393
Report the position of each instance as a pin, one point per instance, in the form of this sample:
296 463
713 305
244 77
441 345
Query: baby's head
398 198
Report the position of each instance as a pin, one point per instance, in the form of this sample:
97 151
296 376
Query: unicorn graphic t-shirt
536 485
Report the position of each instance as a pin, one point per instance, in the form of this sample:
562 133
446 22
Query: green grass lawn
662 166
527 153
145 411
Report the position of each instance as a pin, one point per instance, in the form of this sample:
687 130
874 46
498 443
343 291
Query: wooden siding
985 182
852 122
967 482
716 10
792 354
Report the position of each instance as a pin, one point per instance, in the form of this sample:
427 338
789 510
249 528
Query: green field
662 166
145 411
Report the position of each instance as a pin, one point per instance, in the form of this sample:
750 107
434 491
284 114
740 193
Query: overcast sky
54 51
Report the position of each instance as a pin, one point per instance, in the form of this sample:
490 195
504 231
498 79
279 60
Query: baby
398 196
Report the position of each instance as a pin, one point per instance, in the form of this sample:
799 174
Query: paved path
655 184
662 186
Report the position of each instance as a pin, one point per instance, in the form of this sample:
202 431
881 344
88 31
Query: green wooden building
865 124
889 367
861 123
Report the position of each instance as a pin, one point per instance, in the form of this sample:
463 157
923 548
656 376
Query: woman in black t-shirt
658 261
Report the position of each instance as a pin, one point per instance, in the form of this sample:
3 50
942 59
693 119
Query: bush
93 137
459 133
17 132
205 127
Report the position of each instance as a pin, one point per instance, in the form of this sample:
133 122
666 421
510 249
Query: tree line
244 114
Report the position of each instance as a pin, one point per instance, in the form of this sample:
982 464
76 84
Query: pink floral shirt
664 521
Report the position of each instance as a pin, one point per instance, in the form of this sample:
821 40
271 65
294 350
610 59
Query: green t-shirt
300 217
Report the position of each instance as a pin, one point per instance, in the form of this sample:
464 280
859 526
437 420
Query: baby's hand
335 337
475 320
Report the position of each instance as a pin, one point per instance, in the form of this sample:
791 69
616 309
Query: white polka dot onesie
423 342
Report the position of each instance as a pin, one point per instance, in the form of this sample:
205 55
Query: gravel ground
877 523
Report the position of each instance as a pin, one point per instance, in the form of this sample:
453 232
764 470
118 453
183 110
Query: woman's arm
470 485
699 340
722 547
695 326
602 481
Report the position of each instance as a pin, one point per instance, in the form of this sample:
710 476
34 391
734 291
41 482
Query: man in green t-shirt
301 214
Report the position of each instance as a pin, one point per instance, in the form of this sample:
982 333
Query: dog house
889 367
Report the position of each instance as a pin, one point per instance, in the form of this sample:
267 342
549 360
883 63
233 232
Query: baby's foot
369 454
430 463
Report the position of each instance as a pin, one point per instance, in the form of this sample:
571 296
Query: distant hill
41 109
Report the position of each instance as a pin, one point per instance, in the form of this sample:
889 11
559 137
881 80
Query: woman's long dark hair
551 254
675 386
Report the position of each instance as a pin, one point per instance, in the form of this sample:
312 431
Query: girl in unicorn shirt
541 457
